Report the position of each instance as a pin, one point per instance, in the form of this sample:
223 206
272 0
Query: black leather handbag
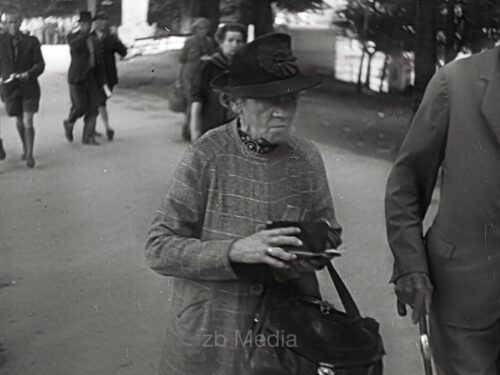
176 99
306 335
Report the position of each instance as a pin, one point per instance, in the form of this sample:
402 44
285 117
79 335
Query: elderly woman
197 48
210 232
206 111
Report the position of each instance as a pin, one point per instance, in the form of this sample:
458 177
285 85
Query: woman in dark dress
206 109
198 48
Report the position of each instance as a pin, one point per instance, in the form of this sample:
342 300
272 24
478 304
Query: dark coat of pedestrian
26 57
86 78
207 112
21 63
455 266
210 225
197 48
110 45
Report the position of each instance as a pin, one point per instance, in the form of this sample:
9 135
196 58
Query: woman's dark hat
264 68
85 17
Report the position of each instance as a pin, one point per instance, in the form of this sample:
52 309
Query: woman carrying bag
219 232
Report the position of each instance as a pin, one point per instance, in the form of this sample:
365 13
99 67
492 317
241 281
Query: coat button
256 289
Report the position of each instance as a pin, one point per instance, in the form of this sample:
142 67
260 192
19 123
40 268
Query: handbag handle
345 297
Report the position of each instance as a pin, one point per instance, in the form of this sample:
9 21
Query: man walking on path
21 62
86 79
109 44
456 266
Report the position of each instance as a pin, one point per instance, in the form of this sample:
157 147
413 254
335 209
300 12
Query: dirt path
75 295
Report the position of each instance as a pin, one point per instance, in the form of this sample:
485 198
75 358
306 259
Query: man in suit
454 271
109 45
86 78
21 62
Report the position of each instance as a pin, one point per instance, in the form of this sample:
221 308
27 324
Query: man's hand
23 77
414 289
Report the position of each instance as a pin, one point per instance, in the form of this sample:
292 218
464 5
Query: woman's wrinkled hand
265 247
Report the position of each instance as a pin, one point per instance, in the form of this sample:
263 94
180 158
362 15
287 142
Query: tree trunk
209 9
359 85
450 51
92 6
188 9
262 16
425 47
383 74
369 70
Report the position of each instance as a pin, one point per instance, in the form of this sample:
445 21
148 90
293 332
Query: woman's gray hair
228 101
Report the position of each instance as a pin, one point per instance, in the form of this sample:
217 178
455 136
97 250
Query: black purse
305 335
176 98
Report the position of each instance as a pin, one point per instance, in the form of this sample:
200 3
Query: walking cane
424 344
424 338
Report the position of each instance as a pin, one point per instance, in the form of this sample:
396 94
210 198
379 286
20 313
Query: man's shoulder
31 40
477 61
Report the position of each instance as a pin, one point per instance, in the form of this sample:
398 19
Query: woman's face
232 40
202 31
270 118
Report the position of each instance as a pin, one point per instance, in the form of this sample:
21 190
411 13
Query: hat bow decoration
278 62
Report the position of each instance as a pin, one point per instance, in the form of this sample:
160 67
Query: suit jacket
29 59
457 129
79 67
109 45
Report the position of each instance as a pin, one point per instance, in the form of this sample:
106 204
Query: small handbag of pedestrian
309 336
176 99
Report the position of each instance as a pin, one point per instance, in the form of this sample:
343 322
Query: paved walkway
75 295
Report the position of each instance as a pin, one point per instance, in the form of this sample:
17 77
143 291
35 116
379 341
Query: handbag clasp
325 369
325 308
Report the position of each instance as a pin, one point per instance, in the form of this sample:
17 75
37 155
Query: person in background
37 29
109 45
207 112
210 228
87 79
197 48
21 63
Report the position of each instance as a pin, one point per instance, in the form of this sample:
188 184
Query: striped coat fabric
220 193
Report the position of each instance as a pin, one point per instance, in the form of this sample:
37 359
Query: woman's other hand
265 247
205 58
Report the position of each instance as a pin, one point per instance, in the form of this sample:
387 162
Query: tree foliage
472 24
436 30
30 8
173 13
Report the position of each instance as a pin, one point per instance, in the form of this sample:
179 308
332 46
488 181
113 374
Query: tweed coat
29 59
457 129
218 194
